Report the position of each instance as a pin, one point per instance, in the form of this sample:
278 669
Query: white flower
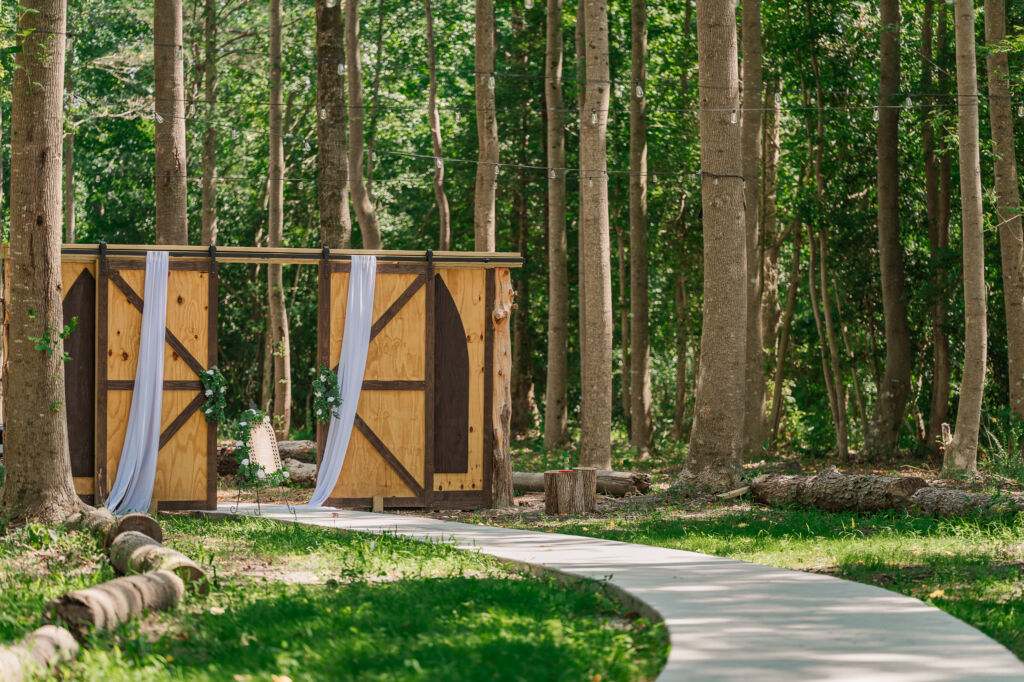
210 372
330 399
238 443
319 412
245 462
209 411
261 474
223 388
244 424
318 394
252 410
286 474
209 393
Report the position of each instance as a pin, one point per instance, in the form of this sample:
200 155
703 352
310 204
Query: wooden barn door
186 476
79 287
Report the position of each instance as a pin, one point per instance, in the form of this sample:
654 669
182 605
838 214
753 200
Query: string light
874 115
331 3
323 113
778 98
732 118
593 116
1020 111
341 68
909 104
528 4
437 161
490 82
639 91
552 175
157 116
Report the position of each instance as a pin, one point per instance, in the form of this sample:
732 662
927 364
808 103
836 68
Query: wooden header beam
247 254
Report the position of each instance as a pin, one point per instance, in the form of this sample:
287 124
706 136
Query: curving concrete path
727 619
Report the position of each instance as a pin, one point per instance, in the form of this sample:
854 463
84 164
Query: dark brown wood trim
323 343
488 486
393 385
428 397
129 385
186 505
382 268
388 456
173 264
181 419
397 306
102 301
367 502
88 499
213 304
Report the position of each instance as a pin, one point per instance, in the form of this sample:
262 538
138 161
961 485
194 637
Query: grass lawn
304 603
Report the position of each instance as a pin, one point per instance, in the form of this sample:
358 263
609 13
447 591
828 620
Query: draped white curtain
354 345
133 487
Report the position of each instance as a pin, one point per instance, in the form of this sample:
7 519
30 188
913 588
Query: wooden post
378 504
501 404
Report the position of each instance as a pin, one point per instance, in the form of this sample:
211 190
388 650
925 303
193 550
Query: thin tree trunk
682 345
716 441
484 218
894 390
555 408
362 200
596 363
210 82
443 214
962 453
378 68
623 301
267 384
769 243
783 350
842 438
278 312
639 305
830 385
1011 237
38 481
331 127
754 404
69 155
169 109
523 405
858 393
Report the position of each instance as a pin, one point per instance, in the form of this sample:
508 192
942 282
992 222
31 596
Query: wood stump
133 552
117 601
41 650
570 492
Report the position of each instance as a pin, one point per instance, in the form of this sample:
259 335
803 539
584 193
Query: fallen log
41 651
105 526
116 601
834 491
953 502
133 552
617 483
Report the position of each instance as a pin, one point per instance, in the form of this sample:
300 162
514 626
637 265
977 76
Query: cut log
953 502
584 489
116 601
102 523
41 651
97 521
557 492
302 450
300 472
550 489
617 483
139 523
134 552
834 491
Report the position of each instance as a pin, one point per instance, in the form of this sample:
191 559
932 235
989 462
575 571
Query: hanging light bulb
490 82
331 3
323 113
302 185
590 182
305 145
157 116
716 181
778 98
732 118
875 115
639 91
908 103
497 169
373 156
654 179
437 161
552 174
528 4
593 116
341 68
1020 111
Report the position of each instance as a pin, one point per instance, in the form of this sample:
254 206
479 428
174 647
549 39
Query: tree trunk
332 121
833 491
378 67
1011 237
275 281
639 305
596 363
361 198
523 405
581 265
830 385
754 404
624 335
501 407
169 108
616 483
267 383
555 406
682 320
210 83
69 155
962 453
783 350
842 426
443 214
769 241
117 601
716 442
858 393
883 433
484 218
38 481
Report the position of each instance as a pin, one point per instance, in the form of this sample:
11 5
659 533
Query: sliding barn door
186 476
79 287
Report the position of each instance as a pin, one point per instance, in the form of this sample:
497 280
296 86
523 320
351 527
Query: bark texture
834 491
41 651
38 481
894 390
962 453
169 112
1008 206
331 127
362 201
484 218
210 81
639 304
133 552
275 281
616 483
596 370
117 601
69 154
102 523
555 405
501 404
443 213
714 460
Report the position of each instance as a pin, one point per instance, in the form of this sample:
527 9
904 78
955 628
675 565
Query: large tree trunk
833 491
895 387
484 218
754 404
278 313
783 349
210 82
361 198
962 453
555 406
443 213
169 108
716 442
682 324
332 121
1011 237
581 265
639 305
69 155
38 481
596 363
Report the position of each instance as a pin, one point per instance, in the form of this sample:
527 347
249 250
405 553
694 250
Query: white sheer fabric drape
136 472
354 345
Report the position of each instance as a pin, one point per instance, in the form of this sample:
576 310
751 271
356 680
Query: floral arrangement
250 473
215 389
326 398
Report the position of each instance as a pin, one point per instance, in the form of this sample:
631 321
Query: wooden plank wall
80 371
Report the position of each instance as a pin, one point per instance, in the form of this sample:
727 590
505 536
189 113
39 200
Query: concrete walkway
731 620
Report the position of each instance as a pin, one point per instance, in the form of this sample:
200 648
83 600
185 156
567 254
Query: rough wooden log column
617 483
133 552
834 491
557 493
117 601
43 649
501 404
570 492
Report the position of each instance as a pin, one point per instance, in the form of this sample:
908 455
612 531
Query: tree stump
584 489
133 552
43 649
570 492
117 601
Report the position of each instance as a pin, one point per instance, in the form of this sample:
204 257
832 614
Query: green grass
315 604
971 567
